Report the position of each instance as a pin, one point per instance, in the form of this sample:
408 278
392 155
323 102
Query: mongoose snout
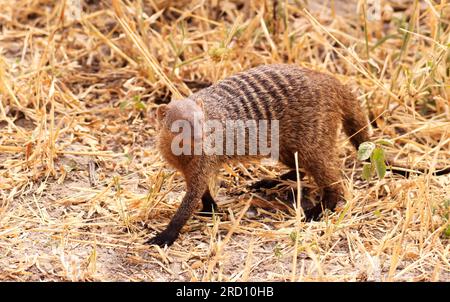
308 108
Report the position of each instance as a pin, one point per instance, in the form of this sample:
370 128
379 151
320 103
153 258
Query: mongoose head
175 117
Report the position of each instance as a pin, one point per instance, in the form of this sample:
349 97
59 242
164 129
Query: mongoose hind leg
272 183
291 195
329 200
209 205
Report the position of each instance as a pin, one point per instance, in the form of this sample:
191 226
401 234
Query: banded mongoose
309 106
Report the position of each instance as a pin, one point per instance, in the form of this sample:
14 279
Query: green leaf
384 141
293 236
365 150
367 171
138 104
378 161
277 251
217 53
447 232
123 105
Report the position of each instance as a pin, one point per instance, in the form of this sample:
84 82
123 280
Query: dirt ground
82 186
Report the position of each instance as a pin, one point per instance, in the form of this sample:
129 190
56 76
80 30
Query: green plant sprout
374 152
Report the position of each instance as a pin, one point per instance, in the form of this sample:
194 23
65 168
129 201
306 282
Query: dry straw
82 186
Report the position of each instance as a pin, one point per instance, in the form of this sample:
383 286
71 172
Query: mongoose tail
356 126
355 122
307 105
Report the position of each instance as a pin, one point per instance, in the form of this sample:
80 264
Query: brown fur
310 107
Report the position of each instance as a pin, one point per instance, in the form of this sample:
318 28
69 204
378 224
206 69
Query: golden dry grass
82 187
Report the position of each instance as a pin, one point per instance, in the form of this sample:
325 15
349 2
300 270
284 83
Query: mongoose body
309 106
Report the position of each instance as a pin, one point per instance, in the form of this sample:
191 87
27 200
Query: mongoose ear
161 112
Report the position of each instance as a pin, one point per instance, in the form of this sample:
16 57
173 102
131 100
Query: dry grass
82 187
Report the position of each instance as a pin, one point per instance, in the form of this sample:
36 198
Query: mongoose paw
209 205
314 213
265 184
163 238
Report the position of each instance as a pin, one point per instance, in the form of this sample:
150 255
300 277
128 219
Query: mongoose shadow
309 106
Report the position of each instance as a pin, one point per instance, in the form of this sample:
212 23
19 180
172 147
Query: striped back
260 93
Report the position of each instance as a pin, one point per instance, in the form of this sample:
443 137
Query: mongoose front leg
209 205
184 212
328 178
